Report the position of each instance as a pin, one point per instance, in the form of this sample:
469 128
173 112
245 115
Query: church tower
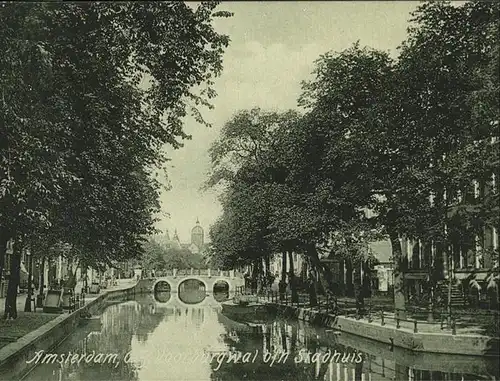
176 243
197 235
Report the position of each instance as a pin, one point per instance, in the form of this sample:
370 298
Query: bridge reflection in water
147 326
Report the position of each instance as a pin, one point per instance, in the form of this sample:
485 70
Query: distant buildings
197 238
56 269
196 246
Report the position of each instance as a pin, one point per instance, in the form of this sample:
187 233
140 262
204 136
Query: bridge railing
198 272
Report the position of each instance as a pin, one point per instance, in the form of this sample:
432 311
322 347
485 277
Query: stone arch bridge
173 279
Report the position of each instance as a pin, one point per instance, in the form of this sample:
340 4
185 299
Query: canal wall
144 286
15 357
432 342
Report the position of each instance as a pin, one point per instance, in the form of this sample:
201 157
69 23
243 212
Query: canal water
175 337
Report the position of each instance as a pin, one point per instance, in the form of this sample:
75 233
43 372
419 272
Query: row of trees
90 95
404 138
160 257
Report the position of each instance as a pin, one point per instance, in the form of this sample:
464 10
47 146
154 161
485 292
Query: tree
240 162
80 134
161 257
349 105
440 98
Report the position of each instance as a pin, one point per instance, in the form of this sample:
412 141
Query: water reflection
295 351
192 291
221 296
221 291
169 341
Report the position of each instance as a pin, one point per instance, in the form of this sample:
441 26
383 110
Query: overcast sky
273 47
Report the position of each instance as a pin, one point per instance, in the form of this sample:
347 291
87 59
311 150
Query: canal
184 337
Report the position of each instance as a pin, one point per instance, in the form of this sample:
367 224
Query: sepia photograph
249 191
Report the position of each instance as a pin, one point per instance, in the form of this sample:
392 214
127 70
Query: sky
273 48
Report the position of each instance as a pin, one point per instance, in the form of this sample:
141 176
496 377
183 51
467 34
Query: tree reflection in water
296 339
139 326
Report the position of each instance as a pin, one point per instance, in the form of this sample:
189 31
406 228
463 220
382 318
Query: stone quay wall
14 356
431 342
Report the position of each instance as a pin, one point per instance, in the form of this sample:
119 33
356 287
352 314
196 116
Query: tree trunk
41 286
311 285
267 273
3 250
42 276
86 279
342 275
349 282
304 271
255 276
282 283
325 272
267 265
358 290
14 278
430 305
399 289
448 304
293 283
260 276
71 281
29 293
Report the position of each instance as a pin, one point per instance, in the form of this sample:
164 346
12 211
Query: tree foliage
160 257
91 94
386 148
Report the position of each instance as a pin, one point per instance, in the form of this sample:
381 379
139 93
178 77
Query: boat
246 310
233 325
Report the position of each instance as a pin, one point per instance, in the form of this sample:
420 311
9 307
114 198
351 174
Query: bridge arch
196 292
208 280
162 285
220 290
162 291
222 280
188 278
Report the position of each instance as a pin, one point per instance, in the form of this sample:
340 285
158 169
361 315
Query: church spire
197 221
